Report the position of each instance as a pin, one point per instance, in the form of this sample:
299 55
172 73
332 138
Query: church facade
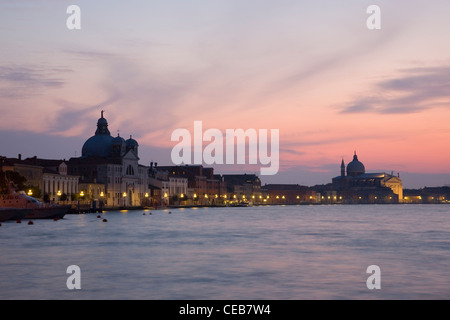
357 186
113 162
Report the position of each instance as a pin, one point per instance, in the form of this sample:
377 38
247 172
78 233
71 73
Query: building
114 163
30 170
354 185
201 186
58 185
243 187
287 194
48 178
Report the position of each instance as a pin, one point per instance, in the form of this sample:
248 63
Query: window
130 170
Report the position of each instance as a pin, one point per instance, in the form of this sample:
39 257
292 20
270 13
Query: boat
245 204
13 214
49 212
15 204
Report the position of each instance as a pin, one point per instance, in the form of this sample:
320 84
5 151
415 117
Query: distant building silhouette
113 163
357 186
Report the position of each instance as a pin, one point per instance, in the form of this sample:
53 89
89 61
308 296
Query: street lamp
78 200
124 195
102 194
30 192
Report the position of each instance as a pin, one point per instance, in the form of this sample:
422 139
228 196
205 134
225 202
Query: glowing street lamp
124 195
30 193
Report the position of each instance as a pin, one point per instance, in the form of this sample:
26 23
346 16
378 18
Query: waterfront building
288 194
243 187
114 163
57 184
202 188
354 185
32 172
48 177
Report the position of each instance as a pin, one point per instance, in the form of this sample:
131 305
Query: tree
7 177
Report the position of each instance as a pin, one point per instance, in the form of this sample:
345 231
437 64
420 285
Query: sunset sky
311 69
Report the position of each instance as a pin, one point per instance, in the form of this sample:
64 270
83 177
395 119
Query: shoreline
140 208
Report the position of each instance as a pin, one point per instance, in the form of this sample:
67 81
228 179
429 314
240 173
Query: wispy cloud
30 80
414 90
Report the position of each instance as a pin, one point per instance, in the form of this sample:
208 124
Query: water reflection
290 252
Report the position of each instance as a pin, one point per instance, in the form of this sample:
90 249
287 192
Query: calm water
289 252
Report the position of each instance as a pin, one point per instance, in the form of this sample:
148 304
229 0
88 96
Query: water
273 252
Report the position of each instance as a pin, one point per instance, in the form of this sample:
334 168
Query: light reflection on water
277 252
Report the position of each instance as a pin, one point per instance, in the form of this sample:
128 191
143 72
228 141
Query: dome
102 121
131 143
98 145
118 140
355 168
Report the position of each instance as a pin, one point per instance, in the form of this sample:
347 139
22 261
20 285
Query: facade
48 176
199 184
354 185
58 184
288 194
114 163
243 187
30 170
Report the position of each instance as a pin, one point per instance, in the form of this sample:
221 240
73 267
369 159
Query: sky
311 69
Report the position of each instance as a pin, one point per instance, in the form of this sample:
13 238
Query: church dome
131 143
355 168
102 121
118 140
99 144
